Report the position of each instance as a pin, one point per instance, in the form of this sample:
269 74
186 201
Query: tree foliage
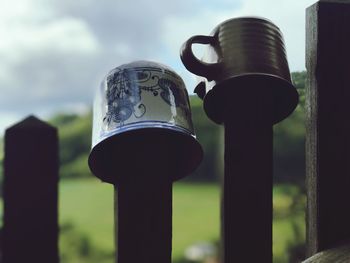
289 140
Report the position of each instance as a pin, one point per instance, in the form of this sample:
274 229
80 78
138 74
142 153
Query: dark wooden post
143 181
328 125
247 196
30 193
144 222
142 154
143 203
248 94
249 107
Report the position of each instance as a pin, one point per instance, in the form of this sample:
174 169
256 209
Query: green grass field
88 206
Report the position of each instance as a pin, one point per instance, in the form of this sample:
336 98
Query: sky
54 53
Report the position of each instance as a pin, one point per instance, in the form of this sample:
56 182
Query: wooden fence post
248 94
30 193
248 109
247 188
328 125
143 215
143 140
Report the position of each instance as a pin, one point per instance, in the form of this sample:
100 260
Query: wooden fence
328 129
30 231
143 231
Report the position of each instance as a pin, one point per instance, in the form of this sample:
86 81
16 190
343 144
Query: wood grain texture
328 125
31 193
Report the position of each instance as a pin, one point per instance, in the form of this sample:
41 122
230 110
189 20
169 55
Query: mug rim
286 96
187 151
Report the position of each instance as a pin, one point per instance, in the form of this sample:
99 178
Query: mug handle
192 63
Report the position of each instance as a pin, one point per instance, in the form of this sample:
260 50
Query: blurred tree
76 247
75 143
289 141
210 136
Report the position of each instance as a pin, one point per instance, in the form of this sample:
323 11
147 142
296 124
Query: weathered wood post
247 183
143 140
328 129
143 215
247 92
30 193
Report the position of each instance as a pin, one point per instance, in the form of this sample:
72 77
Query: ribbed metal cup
240 50
250 45
239 46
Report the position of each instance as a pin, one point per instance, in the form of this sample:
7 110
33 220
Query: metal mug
239 50
142 117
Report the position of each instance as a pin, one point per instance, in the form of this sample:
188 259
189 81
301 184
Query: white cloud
43 58
64 36
54 53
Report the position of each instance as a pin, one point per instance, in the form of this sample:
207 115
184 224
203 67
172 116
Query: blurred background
53 54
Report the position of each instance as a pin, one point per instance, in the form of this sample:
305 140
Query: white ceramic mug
144 100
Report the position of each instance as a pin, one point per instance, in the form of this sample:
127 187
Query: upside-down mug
241 49
142 117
